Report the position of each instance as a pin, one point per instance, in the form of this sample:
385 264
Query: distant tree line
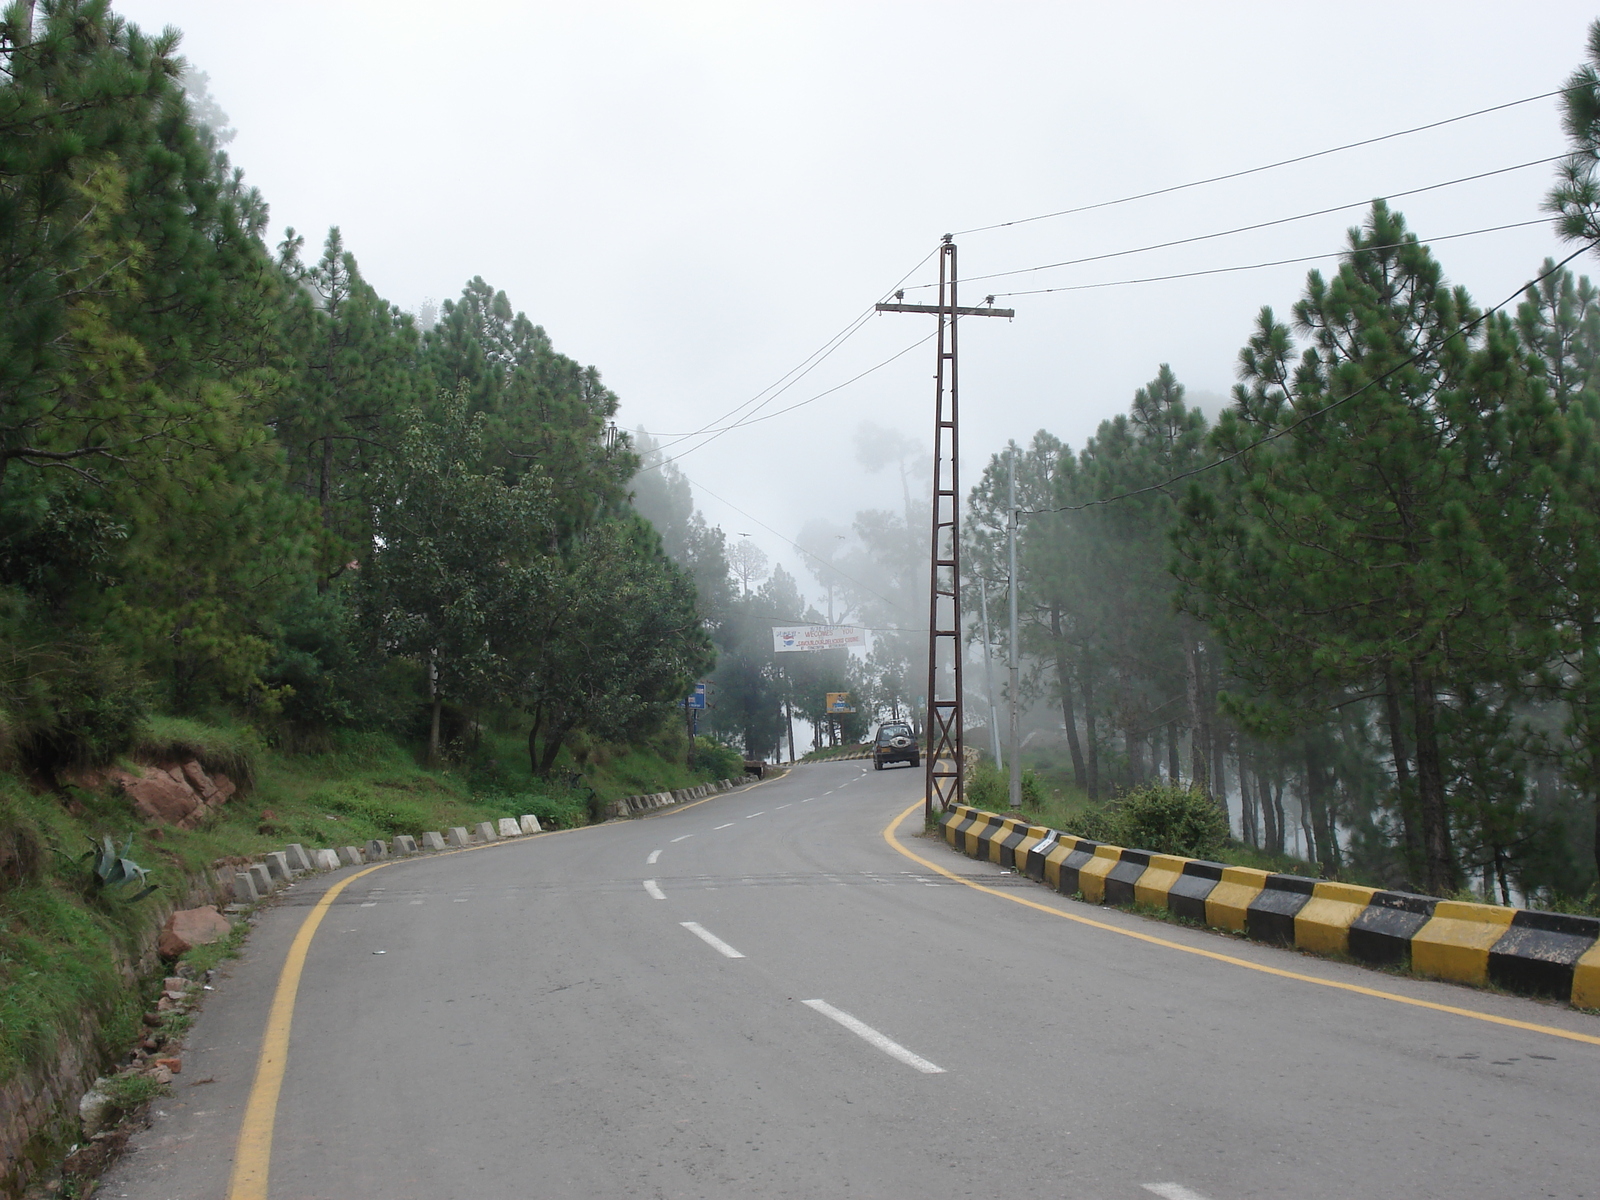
1383 597
234 476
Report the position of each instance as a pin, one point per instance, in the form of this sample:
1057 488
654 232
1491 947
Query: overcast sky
696 196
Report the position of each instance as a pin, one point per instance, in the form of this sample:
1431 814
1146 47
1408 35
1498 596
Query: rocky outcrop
181 794
191 927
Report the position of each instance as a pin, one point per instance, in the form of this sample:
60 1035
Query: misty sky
694 197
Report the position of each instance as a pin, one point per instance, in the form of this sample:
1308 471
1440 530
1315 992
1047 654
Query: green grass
62 951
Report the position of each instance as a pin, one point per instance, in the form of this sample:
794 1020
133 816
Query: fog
696 197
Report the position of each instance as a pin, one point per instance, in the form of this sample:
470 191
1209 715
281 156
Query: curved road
759 995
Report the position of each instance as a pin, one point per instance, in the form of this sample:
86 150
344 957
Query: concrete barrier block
458 836
278 865
1456 941
508 828
1092 874
1539 953
1382 933
1270 917
528 823
325 860
433 841
350 856
485 832
404 844
1323 925
299 860
1066 861
244 888
1121 880
377 850
1156 884
1586 980
1188 894
262 879
1229 902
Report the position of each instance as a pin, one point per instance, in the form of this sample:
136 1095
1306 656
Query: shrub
988 787
232 750
1159 817
724 762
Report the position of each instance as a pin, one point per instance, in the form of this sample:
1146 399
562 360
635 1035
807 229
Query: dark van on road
895 743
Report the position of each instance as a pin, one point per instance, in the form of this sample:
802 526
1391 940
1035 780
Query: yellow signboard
839 702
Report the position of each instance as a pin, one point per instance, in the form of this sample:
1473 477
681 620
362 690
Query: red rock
191 927
175 1065
195 775
158 796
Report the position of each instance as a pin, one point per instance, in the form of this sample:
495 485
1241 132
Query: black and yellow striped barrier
1535 953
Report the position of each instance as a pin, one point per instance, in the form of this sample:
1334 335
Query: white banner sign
815 637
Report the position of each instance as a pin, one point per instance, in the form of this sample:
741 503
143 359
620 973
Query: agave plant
114 870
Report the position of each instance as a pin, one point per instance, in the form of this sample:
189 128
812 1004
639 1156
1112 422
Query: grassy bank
67 953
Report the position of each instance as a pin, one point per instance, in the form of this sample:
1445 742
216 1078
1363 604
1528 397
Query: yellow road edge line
253 1155
1551 1030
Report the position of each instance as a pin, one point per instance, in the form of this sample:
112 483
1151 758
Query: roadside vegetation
380 571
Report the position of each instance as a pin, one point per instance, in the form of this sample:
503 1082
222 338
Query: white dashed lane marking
1172 1191
654 888
762 813
729 825
711 939
654 855
685 836
872 1037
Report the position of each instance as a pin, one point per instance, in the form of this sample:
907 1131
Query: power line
1272 166
1323 411
1204 237
740 424
809 363
1280 262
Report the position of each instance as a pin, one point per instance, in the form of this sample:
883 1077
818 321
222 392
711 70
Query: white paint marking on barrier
1172 1191
685 836
654 888
711 939
654 854
729 825
870 1035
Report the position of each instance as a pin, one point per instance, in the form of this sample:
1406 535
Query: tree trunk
552 747
1173 774
1327 834
788 716
1277 815
1249 828
1199 720
1402 772
533 742
1219 784
433 697
1438 855
1086 683
1132 743
1069 716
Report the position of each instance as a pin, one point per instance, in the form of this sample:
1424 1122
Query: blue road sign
697 698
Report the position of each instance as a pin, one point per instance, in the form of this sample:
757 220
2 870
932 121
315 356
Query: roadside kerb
1533 953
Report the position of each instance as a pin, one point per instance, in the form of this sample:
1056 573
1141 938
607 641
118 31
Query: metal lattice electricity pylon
945 722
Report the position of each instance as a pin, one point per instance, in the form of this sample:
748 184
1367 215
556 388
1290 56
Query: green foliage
988 787
129 1091
233 750
720 761
1160 818
111 871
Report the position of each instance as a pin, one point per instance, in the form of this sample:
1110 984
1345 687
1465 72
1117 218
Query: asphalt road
758 996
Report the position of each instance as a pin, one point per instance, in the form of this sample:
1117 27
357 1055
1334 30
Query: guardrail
1552 955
